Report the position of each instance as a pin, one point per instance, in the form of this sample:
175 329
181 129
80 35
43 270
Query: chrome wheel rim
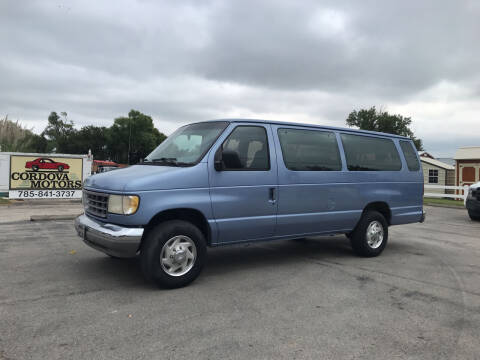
178 255
375 234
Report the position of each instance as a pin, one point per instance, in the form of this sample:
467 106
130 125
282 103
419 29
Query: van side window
410 155
368 153
309 150
246 149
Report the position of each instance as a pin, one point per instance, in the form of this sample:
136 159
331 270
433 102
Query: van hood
149 177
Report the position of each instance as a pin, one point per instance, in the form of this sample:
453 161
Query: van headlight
123 204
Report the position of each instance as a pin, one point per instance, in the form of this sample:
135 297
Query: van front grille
95 203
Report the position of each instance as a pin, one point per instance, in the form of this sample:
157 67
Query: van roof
313 126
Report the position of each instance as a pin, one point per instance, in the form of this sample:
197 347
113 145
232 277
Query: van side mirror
217 160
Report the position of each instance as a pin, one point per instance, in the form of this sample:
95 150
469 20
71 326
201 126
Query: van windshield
187 145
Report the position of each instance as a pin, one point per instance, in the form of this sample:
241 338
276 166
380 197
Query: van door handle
272 196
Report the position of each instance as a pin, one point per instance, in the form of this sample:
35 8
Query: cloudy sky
185 61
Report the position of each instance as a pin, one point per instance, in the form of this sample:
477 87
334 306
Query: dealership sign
45 177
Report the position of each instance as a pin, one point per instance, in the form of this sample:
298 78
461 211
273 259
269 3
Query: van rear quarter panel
333 201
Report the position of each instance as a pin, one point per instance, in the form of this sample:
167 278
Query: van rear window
367 153
309 150
410 155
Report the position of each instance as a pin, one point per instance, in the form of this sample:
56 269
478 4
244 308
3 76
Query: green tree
36 143
135 132
132 138
382 121
92 138
59 133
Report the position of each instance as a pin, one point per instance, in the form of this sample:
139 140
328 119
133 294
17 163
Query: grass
4 201
440 201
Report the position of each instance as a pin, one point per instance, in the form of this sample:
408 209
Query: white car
472 202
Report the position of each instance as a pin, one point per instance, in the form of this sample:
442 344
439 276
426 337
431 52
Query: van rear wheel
370 236
173 254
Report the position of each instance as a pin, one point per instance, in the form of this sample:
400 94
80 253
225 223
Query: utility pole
129 136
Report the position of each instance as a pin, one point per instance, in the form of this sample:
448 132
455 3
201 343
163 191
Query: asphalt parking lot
420 299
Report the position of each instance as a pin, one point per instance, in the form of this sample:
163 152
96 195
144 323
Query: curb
43 202
53 217
446 206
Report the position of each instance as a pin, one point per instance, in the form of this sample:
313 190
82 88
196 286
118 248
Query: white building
436 172
467 169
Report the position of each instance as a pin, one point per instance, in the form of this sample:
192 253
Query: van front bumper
424 214
110 239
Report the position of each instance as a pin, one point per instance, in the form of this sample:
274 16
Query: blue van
232 181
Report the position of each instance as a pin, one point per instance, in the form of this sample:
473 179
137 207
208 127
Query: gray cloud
396 48
186 61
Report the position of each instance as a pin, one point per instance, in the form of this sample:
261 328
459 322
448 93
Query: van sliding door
314 196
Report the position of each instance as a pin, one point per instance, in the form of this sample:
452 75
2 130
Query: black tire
35 167
152 247
60 168
474 216
359 239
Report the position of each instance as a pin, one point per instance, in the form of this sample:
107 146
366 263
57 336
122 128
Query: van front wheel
371 234
173 254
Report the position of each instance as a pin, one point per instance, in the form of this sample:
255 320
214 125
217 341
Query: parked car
235 181
473 202
46 164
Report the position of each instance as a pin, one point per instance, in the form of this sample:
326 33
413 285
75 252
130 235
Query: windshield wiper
166 161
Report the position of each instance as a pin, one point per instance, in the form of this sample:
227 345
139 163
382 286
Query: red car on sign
46 164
